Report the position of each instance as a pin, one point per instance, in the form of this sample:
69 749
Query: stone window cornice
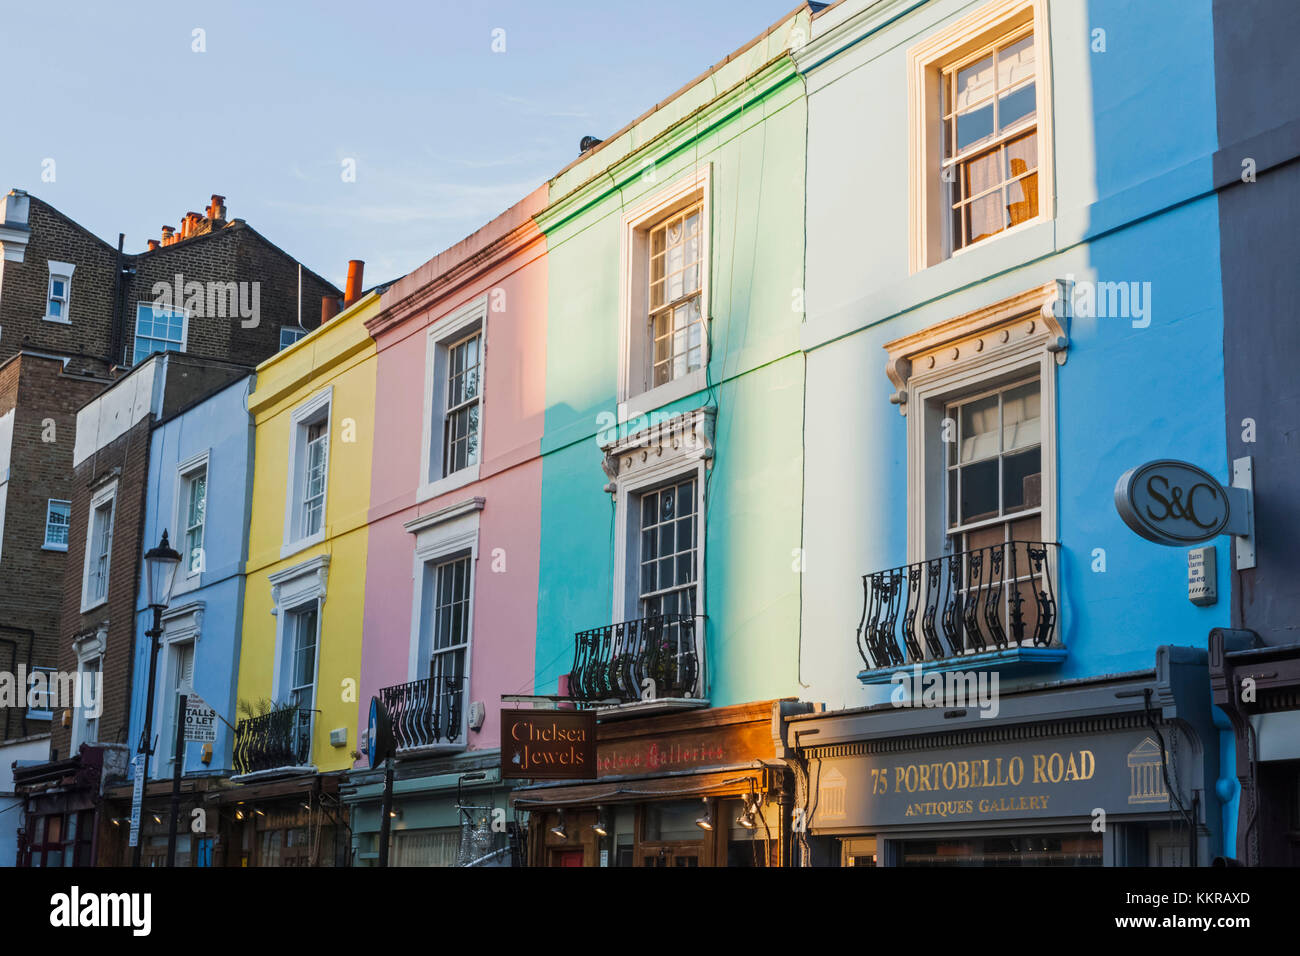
1038 317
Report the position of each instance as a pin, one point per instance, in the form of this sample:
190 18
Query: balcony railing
988 599
425 712
279 739
652 657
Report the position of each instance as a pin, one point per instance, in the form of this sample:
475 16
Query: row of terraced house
805 392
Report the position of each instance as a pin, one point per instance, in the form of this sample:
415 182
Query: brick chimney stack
217 209
168 235
153 245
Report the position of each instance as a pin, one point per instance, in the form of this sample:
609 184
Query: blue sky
445 132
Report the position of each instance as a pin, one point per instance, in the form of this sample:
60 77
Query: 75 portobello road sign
1178 504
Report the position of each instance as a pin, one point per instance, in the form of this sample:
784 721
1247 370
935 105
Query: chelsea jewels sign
548 744
1178 504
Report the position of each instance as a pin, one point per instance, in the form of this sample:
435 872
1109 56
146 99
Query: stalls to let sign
1178 504
548 744
200 720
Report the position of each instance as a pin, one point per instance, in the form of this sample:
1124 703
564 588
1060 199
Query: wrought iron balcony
657 657
988 599
272 741
426 712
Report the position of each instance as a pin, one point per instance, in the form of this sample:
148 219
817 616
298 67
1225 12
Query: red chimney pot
356 269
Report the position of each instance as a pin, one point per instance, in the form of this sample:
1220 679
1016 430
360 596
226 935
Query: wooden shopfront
706 787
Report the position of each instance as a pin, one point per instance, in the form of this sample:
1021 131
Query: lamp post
160 566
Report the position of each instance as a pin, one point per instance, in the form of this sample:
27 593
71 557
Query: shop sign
1072 777
137 799
1173 502
200 720
548 744
708 747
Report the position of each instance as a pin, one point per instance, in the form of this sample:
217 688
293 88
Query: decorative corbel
1057 311
899 369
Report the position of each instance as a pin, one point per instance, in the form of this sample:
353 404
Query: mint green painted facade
743 125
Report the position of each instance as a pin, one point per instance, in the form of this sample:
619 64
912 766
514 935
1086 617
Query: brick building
77 315
89 745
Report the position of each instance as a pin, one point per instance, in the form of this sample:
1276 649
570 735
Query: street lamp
160 566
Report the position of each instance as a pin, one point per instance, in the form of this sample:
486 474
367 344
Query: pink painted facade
501 272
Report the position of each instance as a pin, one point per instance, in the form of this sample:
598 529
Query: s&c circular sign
1172 502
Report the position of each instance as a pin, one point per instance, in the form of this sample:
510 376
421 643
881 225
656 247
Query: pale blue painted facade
206 607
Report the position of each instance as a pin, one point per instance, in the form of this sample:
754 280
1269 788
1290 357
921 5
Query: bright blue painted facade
1134 133
1131 147
206 608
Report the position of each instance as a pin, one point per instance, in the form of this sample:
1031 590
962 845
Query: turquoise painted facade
739 133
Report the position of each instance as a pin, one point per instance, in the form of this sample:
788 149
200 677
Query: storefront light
705 822
559 829
601 826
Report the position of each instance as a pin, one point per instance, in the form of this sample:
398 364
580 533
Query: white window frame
442 334
300 419
1010 340
291 590
62 271
298 335
90 650
135 328
107 494
41 713
635 393
441 536
181 625
670 452
926 62
187 579
46 545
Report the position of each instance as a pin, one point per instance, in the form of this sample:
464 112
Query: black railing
425 712
986 599
650 657
281 738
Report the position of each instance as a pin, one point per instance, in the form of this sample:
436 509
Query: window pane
1016 62
979 423
974 127
979 491
1022 480
985 217
1020 416
974 83
1016 105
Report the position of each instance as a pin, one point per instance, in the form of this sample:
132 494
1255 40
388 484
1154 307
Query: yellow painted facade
285 572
